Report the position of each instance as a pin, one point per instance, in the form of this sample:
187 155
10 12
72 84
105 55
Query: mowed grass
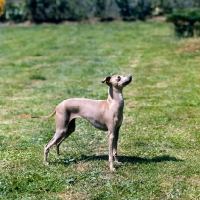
160 137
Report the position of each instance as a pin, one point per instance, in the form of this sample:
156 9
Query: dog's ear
106 79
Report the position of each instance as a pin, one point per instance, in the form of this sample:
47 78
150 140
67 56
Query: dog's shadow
123 159
132 159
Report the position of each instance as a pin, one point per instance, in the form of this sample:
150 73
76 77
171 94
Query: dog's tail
45 117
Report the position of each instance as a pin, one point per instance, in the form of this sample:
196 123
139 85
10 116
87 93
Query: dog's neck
115 95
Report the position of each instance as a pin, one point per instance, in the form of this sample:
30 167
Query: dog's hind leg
71 129
62 121
59 135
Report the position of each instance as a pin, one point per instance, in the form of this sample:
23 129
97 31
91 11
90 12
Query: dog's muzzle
128 81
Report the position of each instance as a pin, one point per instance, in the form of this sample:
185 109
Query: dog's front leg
116 136
111 140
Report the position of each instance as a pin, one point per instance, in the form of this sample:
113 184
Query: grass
159 140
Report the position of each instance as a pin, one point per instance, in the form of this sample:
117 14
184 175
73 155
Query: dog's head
117 81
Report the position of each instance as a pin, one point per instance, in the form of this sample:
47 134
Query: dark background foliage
184 14
56 11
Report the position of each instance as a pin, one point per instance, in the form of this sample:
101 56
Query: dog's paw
112 169
46 163
118 162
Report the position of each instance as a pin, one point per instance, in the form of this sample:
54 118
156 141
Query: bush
106 10
15 11
186 22
56 11
2 4
161 7
59 10
76 10
134 9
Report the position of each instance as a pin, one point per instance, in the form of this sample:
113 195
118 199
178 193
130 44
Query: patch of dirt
27 23
157 19
195 180
82 167
134 63
191 45
157 69
36 81
23 116
88 21
67 195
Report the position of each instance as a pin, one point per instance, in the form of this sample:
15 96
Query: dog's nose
130 77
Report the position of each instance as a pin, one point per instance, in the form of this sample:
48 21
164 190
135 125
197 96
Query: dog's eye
118 78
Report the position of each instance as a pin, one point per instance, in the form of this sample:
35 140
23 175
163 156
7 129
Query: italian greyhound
106 115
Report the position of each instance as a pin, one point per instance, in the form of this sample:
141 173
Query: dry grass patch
195 180
191 45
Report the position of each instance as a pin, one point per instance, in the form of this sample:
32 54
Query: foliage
60 10
133 9
107 10
2 4
168 6
159 138
52 11
165 6
186 22
15 11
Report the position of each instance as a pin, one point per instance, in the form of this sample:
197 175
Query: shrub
15 11
162 7
186 22
47 10
59 10
134 9
2 5
106 10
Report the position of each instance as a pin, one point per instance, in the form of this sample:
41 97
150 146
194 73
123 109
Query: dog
106 115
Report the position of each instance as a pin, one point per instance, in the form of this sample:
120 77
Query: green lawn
159 140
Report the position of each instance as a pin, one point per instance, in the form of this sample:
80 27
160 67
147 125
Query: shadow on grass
133 159
123 159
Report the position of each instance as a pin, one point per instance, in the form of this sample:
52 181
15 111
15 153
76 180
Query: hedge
186 22
56 11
